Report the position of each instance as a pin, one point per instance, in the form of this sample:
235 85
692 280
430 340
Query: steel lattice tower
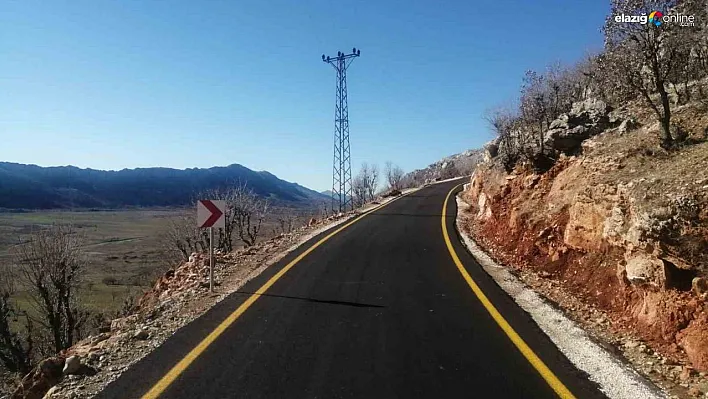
342 169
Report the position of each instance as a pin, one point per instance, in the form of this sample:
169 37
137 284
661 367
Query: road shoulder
614 377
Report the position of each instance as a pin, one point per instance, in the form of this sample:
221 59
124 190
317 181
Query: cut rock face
585 226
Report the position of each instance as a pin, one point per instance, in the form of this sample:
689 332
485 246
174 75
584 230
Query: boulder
694 340
392 193
141 335
645 269
71 365
627 125
491 150
485 210
699 285
123 323
593 108
35 385
585 119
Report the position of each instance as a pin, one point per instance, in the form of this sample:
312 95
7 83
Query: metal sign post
210 213
211 259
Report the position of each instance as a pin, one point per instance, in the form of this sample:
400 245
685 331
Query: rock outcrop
586 119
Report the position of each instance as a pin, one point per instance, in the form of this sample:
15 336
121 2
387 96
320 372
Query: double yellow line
552 380
527 352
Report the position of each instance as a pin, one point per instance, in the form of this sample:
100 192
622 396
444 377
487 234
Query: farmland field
122 246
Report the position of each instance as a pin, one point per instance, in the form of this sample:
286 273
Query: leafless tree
450 171
644 55
50 265
247 212
179 239
394 175
371 175
692 51
505 124
534 104
15 349
287 220
244 216
359 190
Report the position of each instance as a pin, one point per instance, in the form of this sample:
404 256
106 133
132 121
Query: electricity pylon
342 169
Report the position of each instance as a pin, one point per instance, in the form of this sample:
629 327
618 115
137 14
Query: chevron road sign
210 213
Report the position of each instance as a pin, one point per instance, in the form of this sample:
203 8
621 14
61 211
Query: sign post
210 213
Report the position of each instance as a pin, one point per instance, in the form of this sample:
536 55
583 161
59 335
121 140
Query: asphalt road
380 310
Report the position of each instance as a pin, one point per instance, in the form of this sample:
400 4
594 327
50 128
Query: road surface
378 310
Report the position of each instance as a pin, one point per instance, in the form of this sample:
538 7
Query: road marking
525 350
182 365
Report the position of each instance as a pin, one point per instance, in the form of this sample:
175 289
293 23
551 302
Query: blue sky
124 84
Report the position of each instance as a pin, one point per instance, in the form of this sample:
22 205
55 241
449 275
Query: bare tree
248 210
394 175
51 264
286 219
451 170
359 190
15 350
644 55
244 216
180 239
372 180
692 51
505 124
534 104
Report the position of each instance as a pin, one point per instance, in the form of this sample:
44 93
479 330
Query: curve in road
381 307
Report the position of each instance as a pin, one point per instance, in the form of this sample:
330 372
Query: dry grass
654 174
123 248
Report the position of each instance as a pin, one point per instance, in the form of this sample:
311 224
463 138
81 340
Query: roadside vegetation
662 67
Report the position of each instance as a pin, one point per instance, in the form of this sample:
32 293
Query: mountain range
35 187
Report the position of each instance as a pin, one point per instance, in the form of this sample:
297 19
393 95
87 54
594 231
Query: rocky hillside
622 224
35 187
461 164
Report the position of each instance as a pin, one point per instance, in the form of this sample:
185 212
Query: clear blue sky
124 84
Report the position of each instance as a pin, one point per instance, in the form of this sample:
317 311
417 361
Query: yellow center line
525 350
182 365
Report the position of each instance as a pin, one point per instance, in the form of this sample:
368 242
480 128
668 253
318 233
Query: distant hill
35 187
